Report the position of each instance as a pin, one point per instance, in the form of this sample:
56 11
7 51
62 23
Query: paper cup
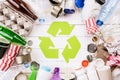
104 73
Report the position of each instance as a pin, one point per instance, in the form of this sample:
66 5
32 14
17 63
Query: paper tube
104 73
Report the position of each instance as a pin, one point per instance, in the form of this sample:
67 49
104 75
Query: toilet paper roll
104 73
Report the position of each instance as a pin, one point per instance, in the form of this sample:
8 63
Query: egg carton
15 20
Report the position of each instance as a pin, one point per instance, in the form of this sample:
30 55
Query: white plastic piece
104 73
44 73
91 72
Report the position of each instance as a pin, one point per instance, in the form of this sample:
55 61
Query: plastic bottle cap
45 68
99 23
79 3
85 63
69 11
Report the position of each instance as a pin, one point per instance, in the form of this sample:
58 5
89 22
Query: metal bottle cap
21 76
95 38
92 48
23 58
90 58
71 76
56 11
101 2
56 2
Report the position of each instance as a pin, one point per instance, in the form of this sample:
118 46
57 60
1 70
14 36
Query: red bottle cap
85 63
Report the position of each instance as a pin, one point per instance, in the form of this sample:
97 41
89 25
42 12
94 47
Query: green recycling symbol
48 48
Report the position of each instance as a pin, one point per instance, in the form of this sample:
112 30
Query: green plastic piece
60 28
48 48
11 36
33 74
71 49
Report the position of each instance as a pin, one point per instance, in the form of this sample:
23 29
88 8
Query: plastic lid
69 11
11 36
99 22
45 68
79 3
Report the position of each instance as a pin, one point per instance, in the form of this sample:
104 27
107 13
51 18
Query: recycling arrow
48 48
71 50
61 28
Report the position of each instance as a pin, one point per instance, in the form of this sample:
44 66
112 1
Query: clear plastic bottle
106 11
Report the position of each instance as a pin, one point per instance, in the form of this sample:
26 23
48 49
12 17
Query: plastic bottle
44 73
106 11
56 75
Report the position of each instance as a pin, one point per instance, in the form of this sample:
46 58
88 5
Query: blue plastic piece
106 11
45 68
41 20
69 11
79 3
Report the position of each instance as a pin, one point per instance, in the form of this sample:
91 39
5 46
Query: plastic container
106 11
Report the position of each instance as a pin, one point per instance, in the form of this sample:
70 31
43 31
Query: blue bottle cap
69 11
45 68
79 3
99 22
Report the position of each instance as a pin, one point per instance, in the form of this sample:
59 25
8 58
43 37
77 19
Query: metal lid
101 2
92 48
56 2
90 58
